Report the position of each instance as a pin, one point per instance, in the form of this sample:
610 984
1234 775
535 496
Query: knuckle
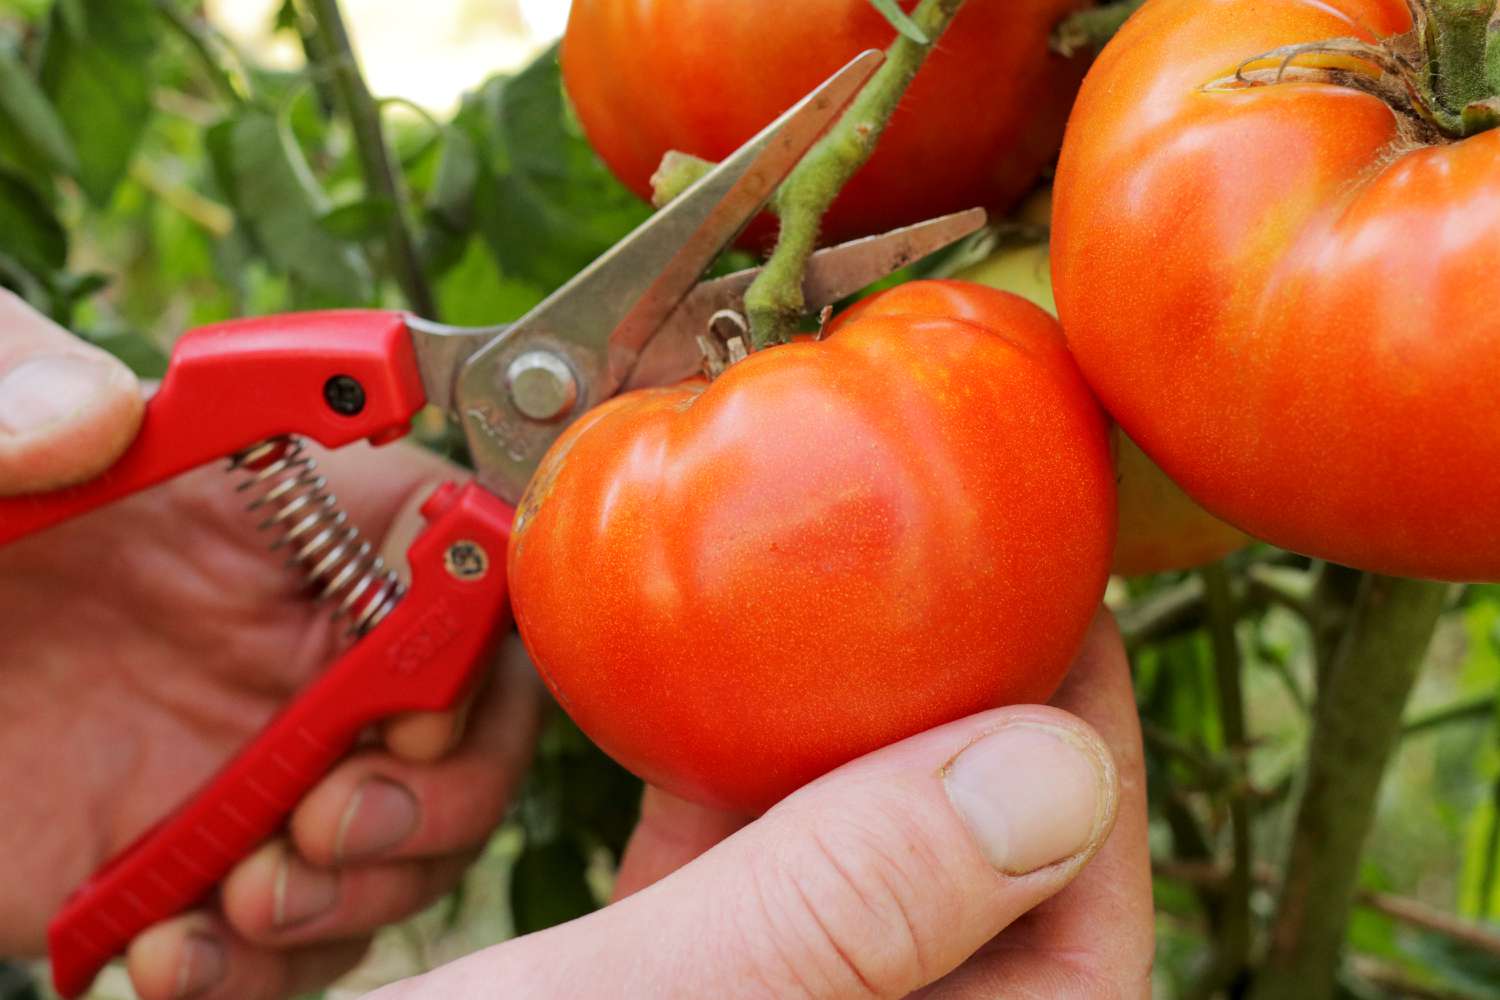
843 915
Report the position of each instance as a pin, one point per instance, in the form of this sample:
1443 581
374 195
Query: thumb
874 881
67 409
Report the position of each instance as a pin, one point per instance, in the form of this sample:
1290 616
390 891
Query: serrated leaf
31 115
901 21
359 220
549 886
279 203
98 76
29 232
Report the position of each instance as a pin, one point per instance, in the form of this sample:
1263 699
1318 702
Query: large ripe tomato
735 588
1282 294
983 117
1160 527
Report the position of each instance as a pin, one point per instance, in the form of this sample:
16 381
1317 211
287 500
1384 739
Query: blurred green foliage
153 179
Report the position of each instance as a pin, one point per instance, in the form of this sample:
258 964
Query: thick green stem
774 302
1356 727
381 177
1454 36
1232 947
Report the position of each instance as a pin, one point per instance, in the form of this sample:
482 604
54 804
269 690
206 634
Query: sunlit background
429 51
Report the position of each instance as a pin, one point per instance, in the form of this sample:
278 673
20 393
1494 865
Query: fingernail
45 391
380 815
199 967
1032 795
302 892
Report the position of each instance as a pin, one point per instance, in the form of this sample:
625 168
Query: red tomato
1160 527
981 120
1281 295
735 588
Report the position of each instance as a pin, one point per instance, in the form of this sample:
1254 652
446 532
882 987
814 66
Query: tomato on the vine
1160 527
981 120
1275 280
734 587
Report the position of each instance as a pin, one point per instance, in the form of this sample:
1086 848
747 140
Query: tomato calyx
1442 78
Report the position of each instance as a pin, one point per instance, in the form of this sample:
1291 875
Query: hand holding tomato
976 859
833 546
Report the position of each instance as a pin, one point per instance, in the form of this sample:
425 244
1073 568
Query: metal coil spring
327 550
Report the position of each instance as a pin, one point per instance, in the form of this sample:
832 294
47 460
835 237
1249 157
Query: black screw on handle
344 395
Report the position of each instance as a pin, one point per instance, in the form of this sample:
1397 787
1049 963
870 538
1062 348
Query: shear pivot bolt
541 385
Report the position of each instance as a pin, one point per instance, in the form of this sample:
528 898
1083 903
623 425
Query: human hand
142 644
1003 855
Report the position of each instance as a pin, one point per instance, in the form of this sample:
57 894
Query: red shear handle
420 658
334 376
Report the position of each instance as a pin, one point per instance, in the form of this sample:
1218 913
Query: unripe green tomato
1161 528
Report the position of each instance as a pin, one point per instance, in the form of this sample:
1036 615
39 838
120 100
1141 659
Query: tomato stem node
1442 78
774 302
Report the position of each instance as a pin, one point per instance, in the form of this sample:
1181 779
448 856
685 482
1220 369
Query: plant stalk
1356 727
381 177
774 302
1232 947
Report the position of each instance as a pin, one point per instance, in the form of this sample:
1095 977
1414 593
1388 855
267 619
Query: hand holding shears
247 389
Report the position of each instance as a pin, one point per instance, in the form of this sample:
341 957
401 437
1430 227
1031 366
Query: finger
1095 938
198 957
67 409
377 806
277 899
874 880
671 832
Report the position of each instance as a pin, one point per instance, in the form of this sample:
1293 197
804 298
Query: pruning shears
251 389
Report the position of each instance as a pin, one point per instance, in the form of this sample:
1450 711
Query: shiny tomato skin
1281 299
981 120
735 587
1160 527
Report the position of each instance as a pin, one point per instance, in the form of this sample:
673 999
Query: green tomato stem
1356 727
1232 934
774 302
382 179
678 172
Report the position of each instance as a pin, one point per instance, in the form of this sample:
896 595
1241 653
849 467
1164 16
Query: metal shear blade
832 274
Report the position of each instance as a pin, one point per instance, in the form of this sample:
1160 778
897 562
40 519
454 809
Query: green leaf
279 202
473 292
545 203
901 21
98 76
359 220
448 213
29 112
549 886
31 233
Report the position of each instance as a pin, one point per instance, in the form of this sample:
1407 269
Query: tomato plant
980 121
1271 277
830 547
